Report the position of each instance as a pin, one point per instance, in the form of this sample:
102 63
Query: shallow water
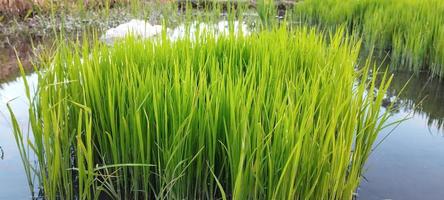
13 181
408 163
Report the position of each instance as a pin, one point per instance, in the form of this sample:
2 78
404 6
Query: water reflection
408 164
13 181
9 51
423 95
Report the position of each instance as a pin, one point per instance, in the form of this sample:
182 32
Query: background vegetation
411 31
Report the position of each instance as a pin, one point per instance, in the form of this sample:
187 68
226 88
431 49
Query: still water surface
13 181
408 164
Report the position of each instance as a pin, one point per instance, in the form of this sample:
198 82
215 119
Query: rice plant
266 10
279 114
410 30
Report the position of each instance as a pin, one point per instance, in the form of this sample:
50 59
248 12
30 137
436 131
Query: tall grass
411 30
280 114
266 10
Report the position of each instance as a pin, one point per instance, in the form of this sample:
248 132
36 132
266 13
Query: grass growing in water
412 30
274 115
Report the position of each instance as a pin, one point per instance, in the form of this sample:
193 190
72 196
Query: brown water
8 58
408 164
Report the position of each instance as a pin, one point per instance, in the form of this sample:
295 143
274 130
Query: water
408 164
13 181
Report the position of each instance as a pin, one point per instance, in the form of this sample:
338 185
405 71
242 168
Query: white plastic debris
136 27
143 29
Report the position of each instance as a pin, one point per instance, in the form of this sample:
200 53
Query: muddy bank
25 7
32 36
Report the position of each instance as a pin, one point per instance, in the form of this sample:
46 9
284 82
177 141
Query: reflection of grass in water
423 94
2 153
270 116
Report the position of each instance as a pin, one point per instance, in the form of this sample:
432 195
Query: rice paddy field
219 100
410 32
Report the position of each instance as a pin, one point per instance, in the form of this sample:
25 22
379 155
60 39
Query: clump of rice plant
279 114
411 30
266 10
